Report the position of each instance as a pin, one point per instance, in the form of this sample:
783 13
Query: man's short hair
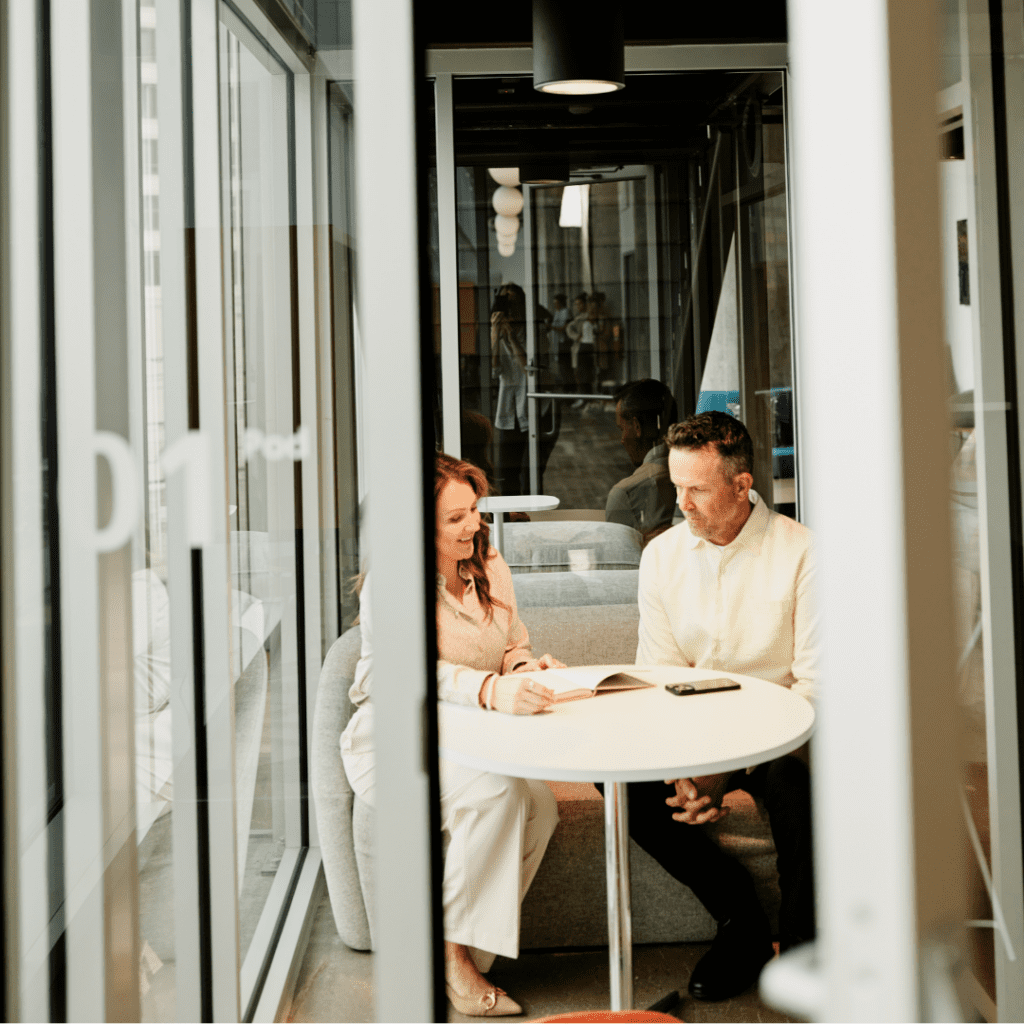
560 297
650 402
725 433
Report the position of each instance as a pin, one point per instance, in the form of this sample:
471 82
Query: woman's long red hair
449 470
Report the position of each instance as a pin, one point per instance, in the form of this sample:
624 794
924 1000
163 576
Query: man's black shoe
733 963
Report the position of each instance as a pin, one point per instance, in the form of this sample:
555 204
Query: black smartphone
702 686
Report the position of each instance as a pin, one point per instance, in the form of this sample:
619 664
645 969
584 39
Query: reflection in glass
266 446
674 268
151 600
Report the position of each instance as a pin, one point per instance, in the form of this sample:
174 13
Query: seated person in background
646 500
497 828
730 590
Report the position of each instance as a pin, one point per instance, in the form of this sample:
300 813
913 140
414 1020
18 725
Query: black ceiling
506 122
461 23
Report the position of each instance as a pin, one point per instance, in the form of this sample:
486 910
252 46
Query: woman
496 828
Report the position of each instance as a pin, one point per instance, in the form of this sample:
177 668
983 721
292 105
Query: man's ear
743 482
634 426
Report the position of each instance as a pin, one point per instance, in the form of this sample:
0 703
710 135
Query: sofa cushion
576 589
551 547
603 634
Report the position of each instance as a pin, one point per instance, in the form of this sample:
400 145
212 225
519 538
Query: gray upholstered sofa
566 903
545 547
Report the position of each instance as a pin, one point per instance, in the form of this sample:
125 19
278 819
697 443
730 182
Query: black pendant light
546 173
578 47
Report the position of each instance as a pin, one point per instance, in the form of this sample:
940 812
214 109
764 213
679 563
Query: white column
386 205
867 266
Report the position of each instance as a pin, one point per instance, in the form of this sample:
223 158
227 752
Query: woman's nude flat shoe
493 1003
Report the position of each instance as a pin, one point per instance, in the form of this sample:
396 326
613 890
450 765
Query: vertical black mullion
424 144
300 594
57 961
1013 468
198 625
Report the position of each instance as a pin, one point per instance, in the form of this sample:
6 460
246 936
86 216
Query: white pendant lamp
506 247
505 175
507 201
506 227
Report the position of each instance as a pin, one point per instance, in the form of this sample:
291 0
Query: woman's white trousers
495 831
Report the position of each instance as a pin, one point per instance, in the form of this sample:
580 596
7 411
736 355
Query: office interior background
249 250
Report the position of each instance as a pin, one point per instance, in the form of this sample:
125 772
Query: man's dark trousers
721 883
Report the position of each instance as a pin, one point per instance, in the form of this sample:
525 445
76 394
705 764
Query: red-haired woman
497 828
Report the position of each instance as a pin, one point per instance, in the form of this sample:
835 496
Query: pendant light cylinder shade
544 174
578 48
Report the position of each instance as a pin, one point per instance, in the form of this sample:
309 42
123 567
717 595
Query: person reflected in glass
496 828
511 419
561 345
508 364
645 500
580 330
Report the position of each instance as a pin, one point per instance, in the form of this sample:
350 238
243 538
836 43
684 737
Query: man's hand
539 664
699 800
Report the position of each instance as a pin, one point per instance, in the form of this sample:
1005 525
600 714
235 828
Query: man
646 500
730 590
561 357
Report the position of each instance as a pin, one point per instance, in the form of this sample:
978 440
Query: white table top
518 503
634 735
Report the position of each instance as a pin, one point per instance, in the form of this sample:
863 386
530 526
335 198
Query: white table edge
683 771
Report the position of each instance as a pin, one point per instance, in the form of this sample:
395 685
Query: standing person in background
581 333
508 364
561 345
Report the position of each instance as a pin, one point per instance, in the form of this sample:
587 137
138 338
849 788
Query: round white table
513 503
631 736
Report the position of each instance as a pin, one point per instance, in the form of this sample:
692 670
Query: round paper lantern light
506 227
505 175
506 246
507 201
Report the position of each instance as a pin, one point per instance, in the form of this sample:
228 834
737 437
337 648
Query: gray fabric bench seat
576 589
557 546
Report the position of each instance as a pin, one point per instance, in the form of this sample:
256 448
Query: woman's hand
515 696
539 664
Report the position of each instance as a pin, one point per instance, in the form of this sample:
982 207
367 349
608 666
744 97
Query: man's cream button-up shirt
745 607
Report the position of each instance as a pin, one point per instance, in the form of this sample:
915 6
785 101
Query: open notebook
589 680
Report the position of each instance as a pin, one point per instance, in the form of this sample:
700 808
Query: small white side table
513 503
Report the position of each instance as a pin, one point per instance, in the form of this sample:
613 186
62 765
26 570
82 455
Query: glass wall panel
151 587
266 446
665 255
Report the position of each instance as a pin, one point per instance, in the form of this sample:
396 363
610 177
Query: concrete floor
335 983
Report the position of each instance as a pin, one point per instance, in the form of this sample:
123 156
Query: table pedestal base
620 925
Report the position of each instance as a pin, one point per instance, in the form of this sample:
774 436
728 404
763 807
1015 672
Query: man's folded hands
699 800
